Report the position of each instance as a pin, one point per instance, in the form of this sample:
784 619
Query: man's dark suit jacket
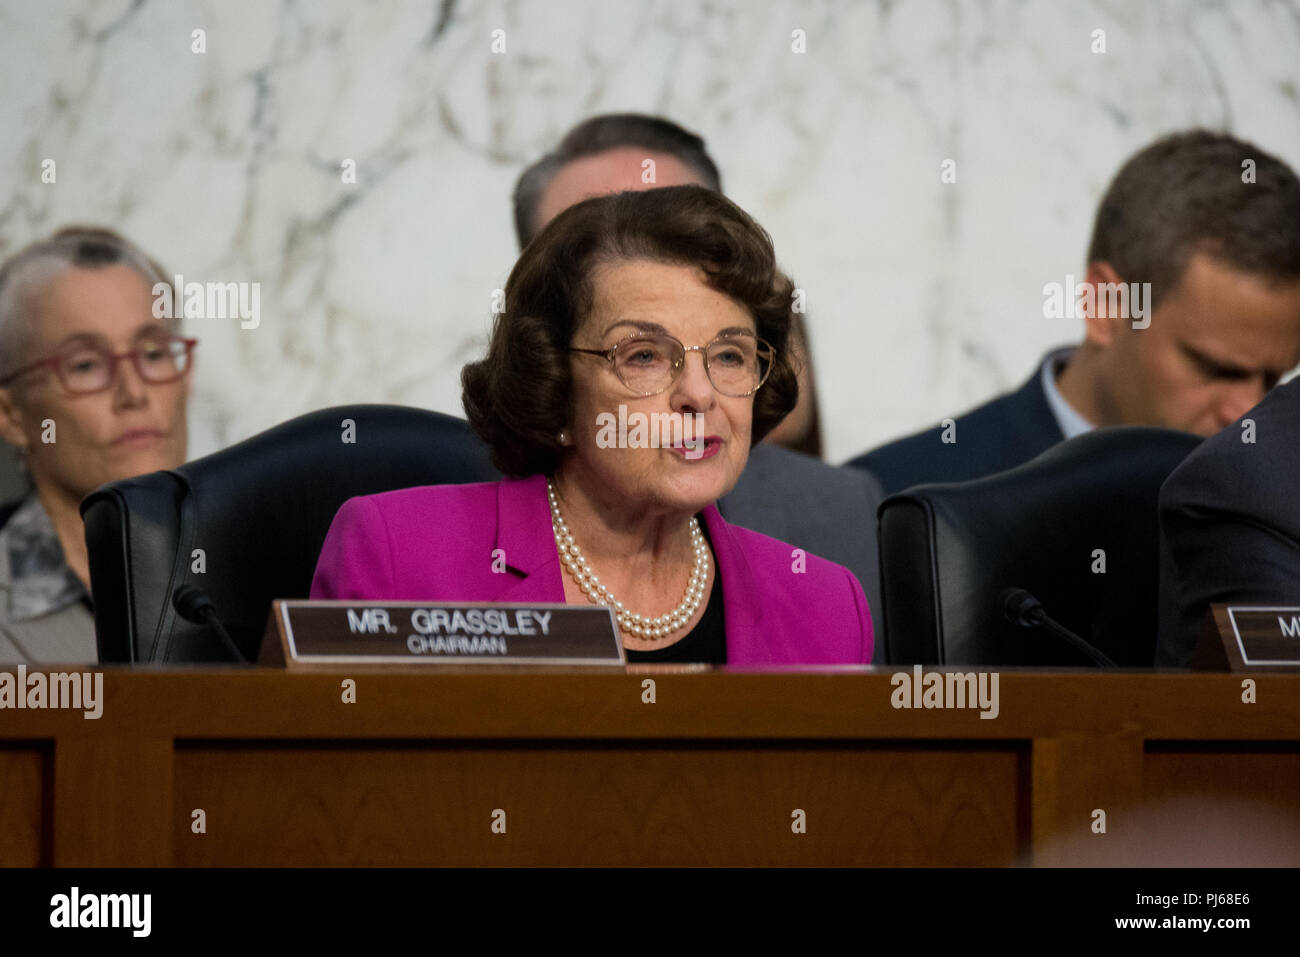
827 511
999 435
1230 524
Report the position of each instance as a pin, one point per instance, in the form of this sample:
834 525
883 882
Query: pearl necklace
628 621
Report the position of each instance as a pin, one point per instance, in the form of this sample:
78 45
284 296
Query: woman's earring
563 437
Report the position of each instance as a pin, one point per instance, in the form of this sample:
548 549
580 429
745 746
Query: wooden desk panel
595 803
25 798
587 773
1242 802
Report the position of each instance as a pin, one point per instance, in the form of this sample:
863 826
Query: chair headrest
1077 527
246 524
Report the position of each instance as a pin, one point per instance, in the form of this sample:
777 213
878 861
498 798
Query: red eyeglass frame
114 358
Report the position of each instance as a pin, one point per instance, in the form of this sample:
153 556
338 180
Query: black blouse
706 643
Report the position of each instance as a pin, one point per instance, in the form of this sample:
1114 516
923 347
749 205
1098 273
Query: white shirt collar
1070 421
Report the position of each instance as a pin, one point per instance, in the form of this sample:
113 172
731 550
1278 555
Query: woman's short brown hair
517 397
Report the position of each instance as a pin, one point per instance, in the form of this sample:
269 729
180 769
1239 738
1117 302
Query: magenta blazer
439 542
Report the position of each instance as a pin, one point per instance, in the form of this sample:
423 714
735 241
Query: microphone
1021 608
193 604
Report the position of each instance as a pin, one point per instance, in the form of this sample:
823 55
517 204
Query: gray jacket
44 613
826 510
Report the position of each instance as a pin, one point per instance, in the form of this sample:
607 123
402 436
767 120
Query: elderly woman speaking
663 307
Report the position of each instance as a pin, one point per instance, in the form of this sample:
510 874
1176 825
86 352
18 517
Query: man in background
1212 223
608 154
1230 524
795 497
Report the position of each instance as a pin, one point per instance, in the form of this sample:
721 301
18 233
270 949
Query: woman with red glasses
93 388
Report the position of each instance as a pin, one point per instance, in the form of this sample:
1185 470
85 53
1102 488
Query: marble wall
924 297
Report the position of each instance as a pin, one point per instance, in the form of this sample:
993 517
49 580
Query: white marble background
924 297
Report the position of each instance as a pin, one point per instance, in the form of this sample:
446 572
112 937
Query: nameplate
1257 636
311 633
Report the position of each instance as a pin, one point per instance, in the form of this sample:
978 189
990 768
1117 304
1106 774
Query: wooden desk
711 773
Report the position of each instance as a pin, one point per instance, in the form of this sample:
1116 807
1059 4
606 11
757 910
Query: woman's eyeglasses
82 369
737 363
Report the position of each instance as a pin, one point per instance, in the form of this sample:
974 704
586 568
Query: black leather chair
259 511
948 552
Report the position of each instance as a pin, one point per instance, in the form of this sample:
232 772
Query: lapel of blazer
66 636
533 567
525 537
741 597
1033 413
